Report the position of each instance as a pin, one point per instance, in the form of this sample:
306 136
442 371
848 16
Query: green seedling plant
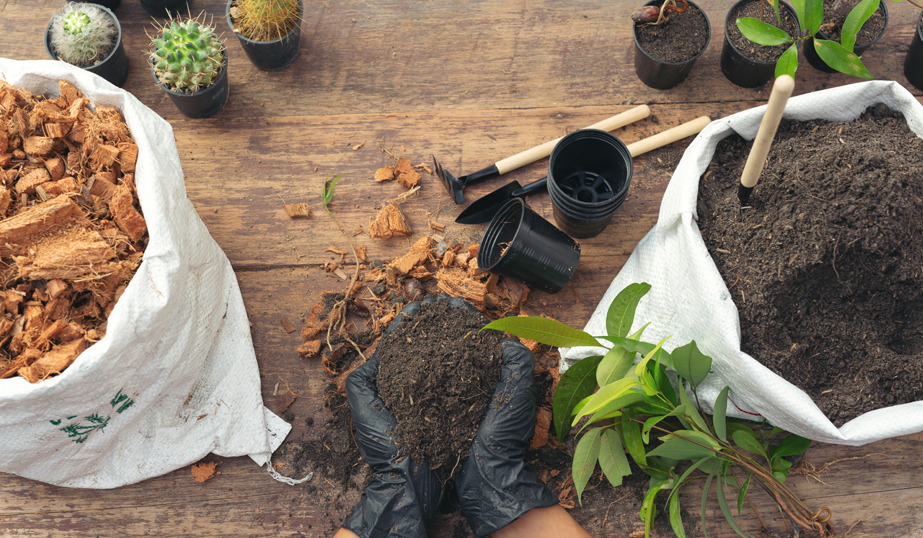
186 54
616 406
840 56
82 34
265 20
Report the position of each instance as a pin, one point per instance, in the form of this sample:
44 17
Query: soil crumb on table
437 376
826 266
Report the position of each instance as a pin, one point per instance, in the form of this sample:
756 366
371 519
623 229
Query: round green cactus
82 34
187 56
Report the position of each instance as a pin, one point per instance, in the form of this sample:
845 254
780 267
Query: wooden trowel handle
781 91
538 152
668 137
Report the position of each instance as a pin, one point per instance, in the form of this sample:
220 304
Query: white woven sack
175 376
690 301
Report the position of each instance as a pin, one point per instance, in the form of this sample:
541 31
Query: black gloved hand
494 486
403 495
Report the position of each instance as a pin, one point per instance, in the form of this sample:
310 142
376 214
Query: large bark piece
21 229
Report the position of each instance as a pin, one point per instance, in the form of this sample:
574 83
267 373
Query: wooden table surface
470 82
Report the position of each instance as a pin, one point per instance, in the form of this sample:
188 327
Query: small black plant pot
816 60
270 55
204 103
520 244
913 63
165 8
664 75
737 66
114 67
589 172
110 4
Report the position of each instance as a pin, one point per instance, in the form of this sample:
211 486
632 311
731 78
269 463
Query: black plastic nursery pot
589 172
739 68
206 102
164 8
114 67
665 75
820 65
270 55
519 243
913 62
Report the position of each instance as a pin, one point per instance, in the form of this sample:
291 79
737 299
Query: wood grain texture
470 82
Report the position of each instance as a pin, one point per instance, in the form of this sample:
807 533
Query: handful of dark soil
826 268
437 376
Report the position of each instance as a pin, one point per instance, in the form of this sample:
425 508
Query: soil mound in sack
826 265
437 376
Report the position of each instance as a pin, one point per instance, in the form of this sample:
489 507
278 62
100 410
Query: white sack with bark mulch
175 376
690 301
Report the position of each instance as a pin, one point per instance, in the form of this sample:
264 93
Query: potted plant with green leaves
269 30
618 406
189 62
90 37
913 62
669 36
830 37
744 62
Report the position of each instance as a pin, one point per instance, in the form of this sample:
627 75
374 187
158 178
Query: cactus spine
82 34
187 55
265 20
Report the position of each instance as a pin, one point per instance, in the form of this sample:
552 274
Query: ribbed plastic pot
520 244
163 8
664 75
270 55
589 172
820 65
110 4
114 67
737 66
913 63
204 103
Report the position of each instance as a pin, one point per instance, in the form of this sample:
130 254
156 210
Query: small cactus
82 34
187 55
265 20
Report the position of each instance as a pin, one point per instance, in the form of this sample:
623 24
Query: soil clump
681 38
437 376
825 264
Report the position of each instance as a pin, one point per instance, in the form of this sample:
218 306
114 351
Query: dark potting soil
437 376
869 31
826 267
753 50
681 38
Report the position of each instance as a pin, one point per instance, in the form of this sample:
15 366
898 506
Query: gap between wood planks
135 506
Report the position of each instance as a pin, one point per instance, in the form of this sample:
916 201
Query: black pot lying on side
270 55
114 67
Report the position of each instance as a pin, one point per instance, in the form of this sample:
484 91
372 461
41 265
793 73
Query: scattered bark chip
204 471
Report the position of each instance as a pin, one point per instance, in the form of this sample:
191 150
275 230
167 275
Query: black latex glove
494 486
402 495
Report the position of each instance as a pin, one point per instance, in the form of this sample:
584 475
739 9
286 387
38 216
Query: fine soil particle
681 38
825 266
867 34
752 50
437 375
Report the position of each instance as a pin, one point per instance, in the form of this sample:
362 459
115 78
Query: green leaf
579 405
747 441
723 502
854 22
607 394
651 422
676 519
787 63
781 466
585 457
691 364
329 184
735 426
640 367
622 310
705 499
810 14
666 388
762 33
578 382
631 435
695 465
719 417
617 362
844 61
791 445
544 330
682 449
742 495
691 410
612 457
621 402
648 508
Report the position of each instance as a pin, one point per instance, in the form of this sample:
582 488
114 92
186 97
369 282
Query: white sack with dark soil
690 301
175 376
